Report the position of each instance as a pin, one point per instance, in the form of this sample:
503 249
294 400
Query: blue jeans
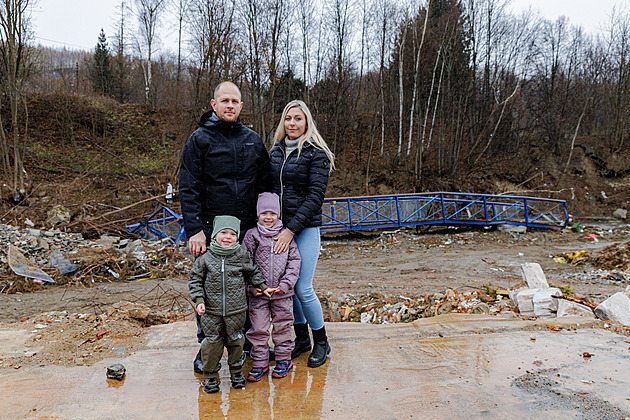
306 306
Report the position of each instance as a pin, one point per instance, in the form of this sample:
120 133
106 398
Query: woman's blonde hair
311 134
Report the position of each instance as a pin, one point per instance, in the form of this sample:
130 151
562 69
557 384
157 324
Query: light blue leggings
306 306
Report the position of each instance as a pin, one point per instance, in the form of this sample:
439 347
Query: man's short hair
220 85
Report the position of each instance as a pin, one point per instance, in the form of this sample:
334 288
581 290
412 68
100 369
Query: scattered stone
28 222
157 318
139 312
116 371
61 263
512 228
621 214
57 215
568 308
481 308
616 308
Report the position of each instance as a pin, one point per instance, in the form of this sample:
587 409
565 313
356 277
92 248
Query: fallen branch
91 219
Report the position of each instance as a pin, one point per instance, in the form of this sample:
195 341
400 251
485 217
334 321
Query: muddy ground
75 325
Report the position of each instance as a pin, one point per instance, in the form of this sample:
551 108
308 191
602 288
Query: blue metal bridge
441 208
392 211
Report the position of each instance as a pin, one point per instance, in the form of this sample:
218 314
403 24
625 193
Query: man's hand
197 243
201 309
282 241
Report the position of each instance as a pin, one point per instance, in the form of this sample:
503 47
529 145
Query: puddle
391 371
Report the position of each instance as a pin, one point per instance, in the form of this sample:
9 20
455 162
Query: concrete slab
449 366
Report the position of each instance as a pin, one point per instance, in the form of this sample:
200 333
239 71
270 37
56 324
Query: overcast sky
76 25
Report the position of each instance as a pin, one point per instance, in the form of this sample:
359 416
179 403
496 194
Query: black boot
198 364
302 340
321 349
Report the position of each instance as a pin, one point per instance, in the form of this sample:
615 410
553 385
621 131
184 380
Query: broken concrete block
545 306
481 308
616 308
524 300
533 275
512 228
627 292
568 308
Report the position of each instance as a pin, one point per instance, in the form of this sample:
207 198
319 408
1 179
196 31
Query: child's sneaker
238 381
257 373
282 368
210 385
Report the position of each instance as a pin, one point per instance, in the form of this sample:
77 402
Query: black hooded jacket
224 168
301 183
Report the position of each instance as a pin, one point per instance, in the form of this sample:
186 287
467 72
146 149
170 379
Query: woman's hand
282 241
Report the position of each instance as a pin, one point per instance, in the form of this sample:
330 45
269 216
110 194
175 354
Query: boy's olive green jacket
219 281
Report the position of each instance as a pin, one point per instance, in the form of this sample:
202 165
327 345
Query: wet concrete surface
451 366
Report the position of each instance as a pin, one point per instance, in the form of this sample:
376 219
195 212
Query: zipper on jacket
284 160
223 282
271 265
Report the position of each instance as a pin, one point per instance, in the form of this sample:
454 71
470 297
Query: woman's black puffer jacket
301 183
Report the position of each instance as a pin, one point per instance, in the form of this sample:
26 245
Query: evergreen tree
102 70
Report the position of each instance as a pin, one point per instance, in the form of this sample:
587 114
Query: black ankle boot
198 364
321 349
302 340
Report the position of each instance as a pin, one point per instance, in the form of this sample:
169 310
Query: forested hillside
412 96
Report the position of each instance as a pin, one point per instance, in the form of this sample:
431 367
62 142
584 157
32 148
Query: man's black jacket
224 168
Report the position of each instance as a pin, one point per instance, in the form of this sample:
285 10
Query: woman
300 164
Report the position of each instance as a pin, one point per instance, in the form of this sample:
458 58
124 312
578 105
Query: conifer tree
102 71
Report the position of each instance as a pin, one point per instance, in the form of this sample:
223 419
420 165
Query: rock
616 308
481 308
139 312
157 318
568 308
533 275
43 243
28 223
116 371
621 214
627 292
34 232
512 228
108 241
545 306
57 215
60 262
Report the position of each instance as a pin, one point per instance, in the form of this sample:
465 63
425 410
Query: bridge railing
354 213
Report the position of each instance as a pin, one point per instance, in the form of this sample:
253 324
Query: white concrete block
568 308
616 308
524 301
544 305
533 275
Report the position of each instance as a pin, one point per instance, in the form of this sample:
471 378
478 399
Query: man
224 167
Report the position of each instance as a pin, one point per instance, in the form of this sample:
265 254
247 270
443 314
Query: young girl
281 273
217 286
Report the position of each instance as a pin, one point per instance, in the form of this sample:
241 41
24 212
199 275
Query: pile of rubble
374 308
31 257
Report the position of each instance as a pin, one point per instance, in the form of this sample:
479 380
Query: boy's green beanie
225 222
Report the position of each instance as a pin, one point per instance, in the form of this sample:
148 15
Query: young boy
217 286
281 272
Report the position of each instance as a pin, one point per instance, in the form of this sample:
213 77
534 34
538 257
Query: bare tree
14 69
148 13
212 40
